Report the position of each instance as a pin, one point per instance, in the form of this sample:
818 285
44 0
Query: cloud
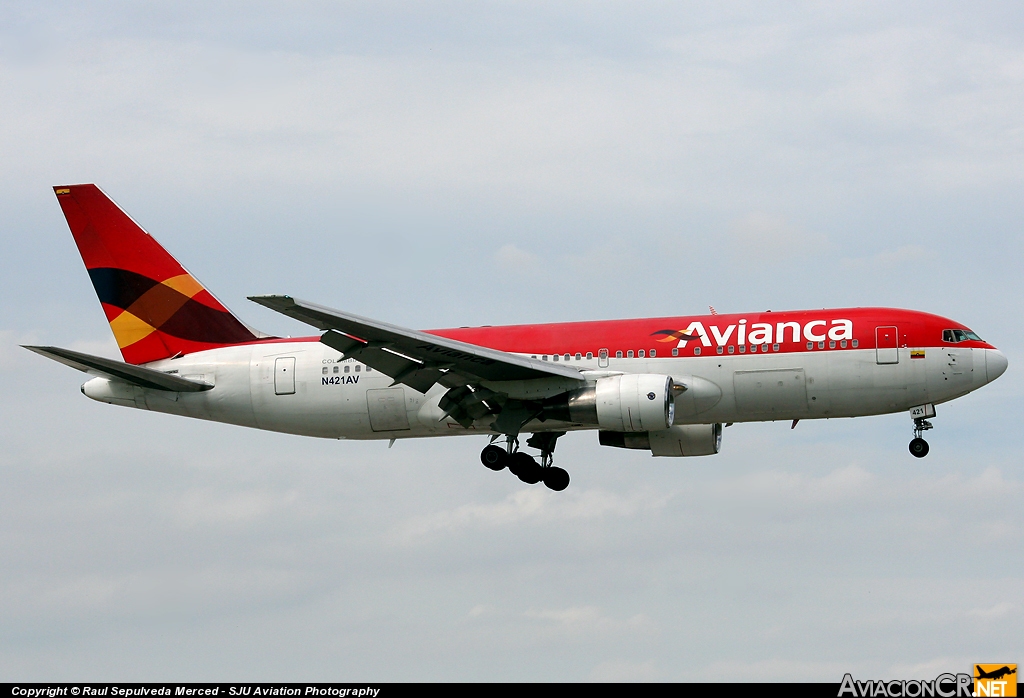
511 259
131 597
11 352
533 507
201 508
925 670
769 670
622 671
642 158
848 483
98 347
999 610
761 236
907 255
588 622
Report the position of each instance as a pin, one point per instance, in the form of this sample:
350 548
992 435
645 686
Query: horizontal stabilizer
117 370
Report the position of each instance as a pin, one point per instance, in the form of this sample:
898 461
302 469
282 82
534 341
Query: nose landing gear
918 446
524 466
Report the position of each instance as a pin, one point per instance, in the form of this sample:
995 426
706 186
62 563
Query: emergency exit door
284 375
387 409
887 345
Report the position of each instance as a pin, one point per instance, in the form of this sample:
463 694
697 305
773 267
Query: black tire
919 448
525 468
494 457
556 479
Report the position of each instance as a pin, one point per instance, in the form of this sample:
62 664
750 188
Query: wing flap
118 370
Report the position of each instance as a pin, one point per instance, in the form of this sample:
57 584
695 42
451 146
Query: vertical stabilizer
155 308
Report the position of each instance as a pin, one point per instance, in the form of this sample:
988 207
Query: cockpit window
954 336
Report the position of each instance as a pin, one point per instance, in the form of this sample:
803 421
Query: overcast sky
445 164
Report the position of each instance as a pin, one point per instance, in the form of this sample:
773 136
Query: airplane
664 385
995 674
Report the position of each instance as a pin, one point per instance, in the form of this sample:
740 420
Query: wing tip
266 299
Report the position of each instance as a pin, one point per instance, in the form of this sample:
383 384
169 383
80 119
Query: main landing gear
523 465
918 446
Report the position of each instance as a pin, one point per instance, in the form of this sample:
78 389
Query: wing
414 358
118 370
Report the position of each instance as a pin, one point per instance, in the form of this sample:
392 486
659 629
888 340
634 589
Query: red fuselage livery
764 332
665 385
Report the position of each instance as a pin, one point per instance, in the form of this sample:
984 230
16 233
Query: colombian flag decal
917 353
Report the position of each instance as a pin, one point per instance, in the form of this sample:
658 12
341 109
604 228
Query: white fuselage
307 388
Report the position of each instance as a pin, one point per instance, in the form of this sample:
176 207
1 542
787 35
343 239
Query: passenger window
566 357
743 349
842 344
832 344
358 367
629 354
775 347
654 353
590 355
732 349
764 348
335 368
675 351
579 356
346 369
618 354
325 370
545 357
855 343
555 357
720 350
696 351
640 353
810 345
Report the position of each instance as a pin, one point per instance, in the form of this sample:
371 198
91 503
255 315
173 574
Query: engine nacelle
627 403
635 402
680 440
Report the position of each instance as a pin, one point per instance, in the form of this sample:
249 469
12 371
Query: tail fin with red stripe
156 309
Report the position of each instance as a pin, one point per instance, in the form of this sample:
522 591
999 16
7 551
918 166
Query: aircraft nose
995 364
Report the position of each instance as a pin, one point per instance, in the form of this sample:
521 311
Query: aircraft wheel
919 448
525 468
494 457
556 479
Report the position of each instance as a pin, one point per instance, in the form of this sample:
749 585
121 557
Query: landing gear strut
918 446
524 466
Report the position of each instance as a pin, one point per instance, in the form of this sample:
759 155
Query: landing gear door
887 345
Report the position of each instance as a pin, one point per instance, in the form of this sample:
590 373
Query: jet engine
680 440
627 403
634 402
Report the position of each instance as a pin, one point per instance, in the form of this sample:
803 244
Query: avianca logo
759 332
